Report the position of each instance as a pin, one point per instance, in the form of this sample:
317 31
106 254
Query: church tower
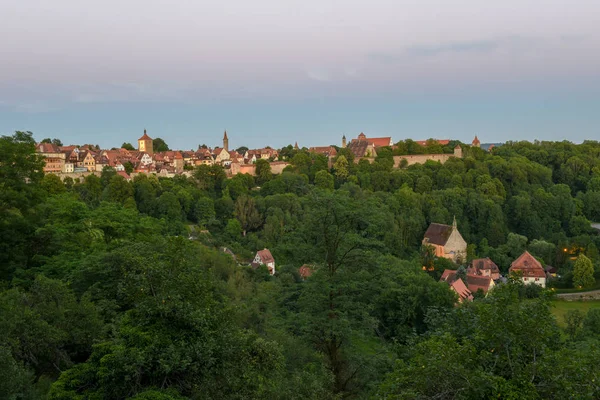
226 142
145 144
344 142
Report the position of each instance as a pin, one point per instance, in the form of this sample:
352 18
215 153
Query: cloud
483 46
318 74
477 46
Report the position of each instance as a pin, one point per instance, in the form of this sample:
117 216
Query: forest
112 289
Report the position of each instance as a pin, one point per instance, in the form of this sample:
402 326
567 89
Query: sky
273 72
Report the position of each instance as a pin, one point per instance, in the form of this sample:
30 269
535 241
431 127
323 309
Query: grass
561 307
596 286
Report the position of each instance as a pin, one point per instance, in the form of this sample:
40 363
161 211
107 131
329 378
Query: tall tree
247 214
583 272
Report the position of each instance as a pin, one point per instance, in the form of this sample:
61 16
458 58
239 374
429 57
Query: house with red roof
457 285
472 282
264 257
528 269
484 267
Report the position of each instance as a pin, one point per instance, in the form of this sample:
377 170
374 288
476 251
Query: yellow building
145 144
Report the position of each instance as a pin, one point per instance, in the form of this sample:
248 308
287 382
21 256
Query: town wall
421 158
75 175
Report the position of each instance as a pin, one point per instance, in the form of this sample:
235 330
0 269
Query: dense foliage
113 289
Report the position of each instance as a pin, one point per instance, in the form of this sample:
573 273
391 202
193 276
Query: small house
264 257
529 269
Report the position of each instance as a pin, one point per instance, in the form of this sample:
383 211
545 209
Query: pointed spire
225 135
296 146
454 223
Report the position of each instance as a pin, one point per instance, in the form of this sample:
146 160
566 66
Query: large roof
438 234
358 147
48 148
326 150
380 141
528 266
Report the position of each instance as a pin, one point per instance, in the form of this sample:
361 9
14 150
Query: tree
241 149
52 184
118 190
128 167
247 214
324 180
159 145
127 146
263 171
20 192
340 168
583 272
574 319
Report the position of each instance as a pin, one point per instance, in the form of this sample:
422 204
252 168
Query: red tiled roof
124 175
476 141
145 136
266 256
438 234
380 141
528 266
462 291
326 150
484 264
48 148
479 282
474 282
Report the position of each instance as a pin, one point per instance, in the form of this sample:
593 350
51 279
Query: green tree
159 145
52 184
246 212
340 168
263 171
118 190
127 146
324 180
583 272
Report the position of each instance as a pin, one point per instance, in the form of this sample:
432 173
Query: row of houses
87 158
483 274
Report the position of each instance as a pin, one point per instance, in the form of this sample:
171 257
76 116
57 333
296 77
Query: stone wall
277 168
421 158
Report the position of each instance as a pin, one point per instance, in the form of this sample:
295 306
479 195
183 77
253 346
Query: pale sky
273 72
